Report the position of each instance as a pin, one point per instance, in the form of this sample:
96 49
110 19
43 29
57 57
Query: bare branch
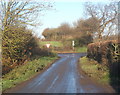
106 14
20 12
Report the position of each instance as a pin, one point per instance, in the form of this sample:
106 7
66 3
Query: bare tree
50 33
64 29
91 25
16 39
106 14
14 12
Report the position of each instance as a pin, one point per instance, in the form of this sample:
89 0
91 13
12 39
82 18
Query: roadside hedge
107 51
18 45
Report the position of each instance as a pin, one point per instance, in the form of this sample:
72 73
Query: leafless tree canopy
14 12
106 14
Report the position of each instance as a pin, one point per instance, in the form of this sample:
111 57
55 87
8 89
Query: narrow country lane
61 77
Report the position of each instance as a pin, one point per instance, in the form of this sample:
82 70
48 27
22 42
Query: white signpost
73 44
48 46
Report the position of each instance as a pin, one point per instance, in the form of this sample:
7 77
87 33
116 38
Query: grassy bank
26 71
53 43
95 70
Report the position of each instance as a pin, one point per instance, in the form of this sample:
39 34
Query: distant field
63 48
53 43
81 49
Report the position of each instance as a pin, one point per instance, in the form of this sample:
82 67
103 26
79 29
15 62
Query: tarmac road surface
62 77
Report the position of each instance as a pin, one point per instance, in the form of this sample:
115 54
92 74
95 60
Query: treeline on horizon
81 32
100 24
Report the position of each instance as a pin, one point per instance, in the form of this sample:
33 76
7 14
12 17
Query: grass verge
25 72
81 49
95 70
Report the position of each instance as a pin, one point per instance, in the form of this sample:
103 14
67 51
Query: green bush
18 45
83 40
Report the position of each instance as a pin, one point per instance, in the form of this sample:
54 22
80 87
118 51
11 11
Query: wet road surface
61 77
